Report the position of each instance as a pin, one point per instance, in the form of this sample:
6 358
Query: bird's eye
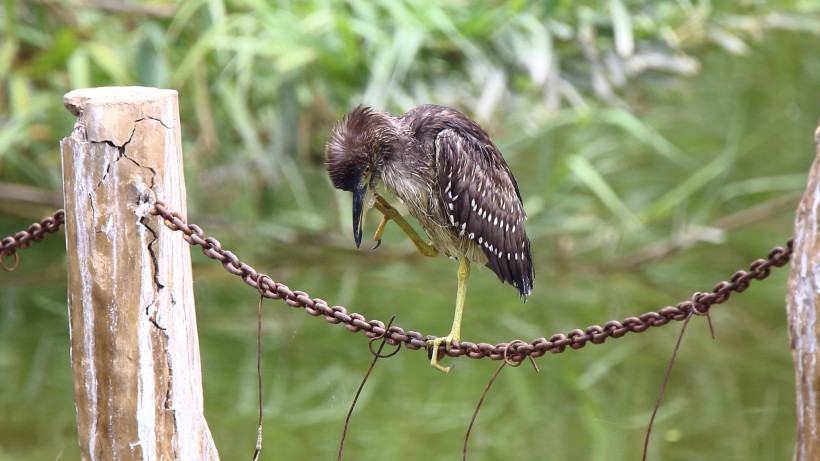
367 170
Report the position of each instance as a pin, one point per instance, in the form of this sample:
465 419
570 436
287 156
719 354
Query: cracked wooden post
803 309
134 344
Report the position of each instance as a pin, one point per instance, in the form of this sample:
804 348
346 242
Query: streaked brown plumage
451 176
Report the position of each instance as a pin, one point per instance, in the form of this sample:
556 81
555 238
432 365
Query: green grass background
658 146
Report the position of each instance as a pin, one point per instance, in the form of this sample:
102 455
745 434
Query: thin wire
478 407
259 374
663 388
376 356
3 261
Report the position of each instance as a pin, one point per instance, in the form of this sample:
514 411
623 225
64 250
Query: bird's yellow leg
455 332
388 212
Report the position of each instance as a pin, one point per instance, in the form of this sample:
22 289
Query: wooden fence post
134 344
803 309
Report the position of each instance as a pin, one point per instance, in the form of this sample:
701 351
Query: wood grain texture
802 303
134 343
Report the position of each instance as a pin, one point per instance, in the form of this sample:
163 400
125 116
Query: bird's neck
407 174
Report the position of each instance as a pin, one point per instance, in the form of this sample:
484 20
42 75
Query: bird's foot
432 350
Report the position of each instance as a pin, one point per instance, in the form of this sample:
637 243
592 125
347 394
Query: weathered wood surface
134 344
802 304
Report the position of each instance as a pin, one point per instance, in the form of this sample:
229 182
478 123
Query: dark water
728 399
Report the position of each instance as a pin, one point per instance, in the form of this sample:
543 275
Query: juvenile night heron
443 166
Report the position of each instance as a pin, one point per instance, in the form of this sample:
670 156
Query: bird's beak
359 209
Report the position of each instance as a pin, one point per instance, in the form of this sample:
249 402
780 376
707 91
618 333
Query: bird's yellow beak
360 206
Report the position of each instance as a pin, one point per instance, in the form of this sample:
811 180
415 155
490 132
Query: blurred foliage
260 82
635 129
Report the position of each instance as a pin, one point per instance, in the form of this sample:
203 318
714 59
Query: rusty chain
516 351
23 239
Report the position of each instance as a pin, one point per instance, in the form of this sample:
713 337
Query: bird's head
358 147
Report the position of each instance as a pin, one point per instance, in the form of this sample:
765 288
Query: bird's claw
378 235
432 350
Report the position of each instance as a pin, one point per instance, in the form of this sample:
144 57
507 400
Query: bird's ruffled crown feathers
362 138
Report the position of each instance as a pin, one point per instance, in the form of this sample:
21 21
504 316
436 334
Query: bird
452 179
